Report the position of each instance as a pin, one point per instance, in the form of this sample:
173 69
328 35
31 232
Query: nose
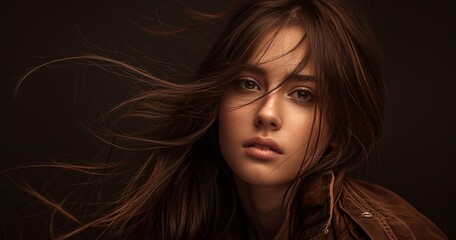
268 115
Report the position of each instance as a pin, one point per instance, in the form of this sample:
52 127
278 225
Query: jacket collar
312 208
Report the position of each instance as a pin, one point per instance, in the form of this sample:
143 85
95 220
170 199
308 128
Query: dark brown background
417 153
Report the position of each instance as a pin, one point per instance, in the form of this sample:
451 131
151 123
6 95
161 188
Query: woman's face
265 142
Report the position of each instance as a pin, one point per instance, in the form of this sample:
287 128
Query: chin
262 177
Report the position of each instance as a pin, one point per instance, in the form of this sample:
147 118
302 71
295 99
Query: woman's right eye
248 84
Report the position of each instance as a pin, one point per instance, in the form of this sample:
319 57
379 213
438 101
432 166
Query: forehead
285 47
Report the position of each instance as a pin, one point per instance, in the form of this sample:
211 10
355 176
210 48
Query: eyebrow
301 78
292 77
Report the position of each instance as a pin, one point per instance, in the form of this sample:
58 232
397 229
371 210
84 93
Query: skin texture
285 116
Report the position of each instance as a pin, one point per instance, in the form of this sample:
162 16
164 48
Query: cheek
229 126
235 126
234 118
308 139
300 138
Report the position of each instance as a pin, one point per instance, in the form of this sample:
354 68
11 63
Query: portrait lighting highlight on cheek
268 124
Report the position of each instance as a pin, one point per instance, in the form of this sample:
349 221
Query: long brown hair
180 187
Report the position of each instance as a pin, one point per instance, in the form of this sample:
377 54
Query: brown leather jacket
336 207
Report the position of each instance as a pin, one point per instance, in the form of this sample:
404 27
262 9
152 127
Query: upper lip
263 141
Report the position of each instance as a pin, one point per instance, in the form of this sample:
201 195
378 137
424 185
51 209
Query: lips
262 148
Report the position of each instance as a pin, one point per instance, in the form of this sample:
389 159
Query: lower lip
263 154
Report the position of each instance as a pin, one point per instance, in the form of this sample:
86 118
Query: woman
256 145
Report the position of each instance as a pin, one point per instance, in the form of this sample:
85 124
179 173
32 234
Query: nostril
267 120
259 123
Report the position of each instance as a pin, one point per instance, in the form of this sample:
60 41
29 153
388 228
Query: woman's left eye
302 95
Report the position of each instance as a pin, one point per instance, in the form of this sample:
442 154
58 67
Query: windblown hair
182 188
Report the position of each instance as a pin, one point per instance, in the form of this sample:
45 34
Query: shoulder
382 214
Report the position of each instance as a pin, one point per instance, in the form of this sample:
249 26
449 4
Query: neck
265 207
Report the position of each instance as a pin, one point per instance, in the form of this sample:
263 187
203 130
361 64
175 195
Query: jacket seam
361 204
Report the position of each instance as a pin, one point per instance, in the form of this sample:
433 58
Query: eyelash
309 95
241 84
254 86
